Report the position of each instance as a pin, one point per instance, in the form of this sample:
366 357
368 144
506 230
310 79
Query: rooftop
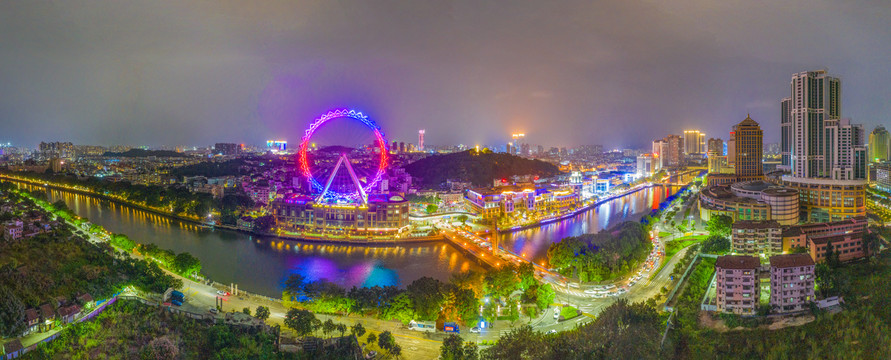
791 260
738 262
756 224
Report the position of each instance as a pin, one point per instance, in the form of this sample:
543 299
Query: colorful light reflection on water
534 242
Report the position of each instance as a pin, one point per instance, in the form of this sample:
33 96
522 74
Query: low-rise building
847 246
245 223
737 284
846 237
13 229
756 237
791 282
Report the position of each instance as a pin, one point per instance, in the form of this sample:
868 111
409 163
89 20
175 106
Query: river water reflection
261 264
533 243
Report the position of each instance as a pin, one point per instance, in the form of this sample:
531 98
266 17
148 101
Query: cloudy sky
618 73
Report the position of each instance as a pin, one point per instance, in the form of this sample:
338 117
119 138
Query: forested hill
480 168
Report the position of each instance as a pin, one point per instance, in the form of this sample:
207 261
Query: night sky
619 73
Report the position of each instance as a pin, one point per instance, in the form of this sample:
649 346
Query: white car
475 330
556 313
552 331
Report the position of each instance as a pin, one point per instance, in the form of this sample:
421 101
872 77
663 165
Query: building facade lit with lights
344 204
492 204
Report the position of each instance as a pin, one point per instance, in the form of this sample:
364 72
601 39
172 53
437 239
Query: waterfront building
660 149
493 204
879 145
737 285
791 282
646 165
759 237
381 214
750 200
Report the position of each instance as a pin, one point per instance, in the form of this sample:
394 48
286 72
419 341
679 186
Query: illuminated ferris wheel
325 192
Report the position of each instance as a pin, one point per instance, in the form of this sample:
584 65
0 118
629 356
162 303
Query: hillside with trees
602 256
478 167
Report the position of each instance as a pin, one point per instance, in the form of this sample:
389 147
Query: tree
328 327
431 208
519 343
716 245
358 330
386 341
426 294
503 281
261 313
264 224
161 348
832 256
401 308
526 273
246 311
12 314
719 225
371 339
471 351
452 348
186 264
546 296
462 218
301 321
295 285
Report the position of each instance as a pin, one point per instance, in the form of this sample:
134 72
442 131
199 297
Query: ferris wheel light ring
381 141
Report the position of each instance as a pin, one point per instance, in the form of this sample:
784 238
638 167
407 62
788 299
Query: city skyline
180 74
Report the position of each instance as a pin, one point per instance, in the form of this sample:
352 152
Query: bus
425 326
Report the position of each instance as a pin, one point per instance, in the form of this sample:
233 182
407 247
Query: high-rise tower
815 99
879 145
786 134
749 148
421 140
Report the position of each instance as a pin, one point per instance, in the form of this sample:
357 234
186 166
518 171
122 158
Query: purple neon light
355 115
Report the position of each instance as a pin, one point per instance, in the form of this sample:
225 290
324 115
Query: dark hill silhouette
480 168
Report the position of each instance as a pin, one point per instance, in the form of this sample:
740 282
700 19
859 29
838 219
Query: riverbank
395 241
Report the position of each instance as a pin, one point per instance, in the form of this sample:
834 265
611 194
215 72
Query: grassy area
663 234
674 246
569 312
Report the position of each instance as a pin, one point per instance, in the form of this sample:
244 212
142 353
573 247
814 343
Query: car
371 354
213 310
556 313
475 330
552 331
222 293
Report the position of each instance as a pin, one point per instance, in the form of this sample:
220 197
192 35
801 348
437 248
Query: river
533 243
261 264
